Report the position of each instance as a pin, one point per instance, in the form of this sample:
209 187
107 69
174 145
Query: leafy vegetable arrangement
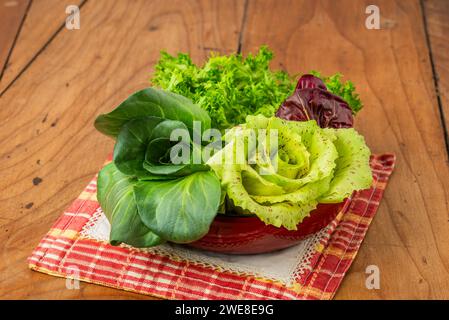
231 87
279 168
146 197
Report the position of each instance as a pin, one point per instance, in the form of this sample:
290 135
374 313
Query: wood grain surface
49 149
12 15
45 18
437 20
408 239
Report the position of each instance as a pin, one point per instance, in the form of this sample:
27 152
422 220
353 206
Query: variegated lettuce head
280 170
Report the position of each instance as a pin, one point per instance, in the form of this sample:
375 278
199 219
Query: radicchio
312 101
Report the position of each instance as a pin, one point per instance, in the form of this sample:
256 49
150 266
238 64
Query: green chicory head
285 168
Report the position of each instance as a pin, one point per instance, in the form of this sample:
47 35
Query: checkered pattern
64 250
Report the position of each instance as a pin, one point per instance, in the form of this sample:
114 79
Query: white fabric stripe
353 231
64 241
52 256
380 171
370 202
329 273
34 258
272 291
60 240
79 214
52 246
40 254
351 224
344 240
353 245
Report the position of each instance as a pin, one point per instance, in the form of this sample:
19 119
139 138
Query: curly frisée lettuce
282 183
228 87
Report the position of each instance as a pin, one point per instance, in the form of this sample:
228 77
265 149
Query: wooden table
54 82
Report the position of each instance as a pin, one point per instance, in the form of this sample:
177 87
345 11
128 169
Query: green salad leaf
281 184
228 87
116 197
146 196
152 102
143 149
179 210
352 168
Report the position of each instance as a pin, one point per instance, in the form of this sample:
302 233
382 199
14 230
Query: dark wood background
55 81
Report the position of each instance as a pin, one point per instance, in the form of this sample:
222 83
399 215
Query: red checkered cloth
64 250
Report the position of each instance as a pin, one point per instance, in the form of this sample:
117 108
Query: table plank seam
435 77
242 26
37 54
15 40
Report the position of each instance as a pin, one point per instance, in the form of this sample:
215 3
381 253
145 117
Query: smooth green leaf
152 177
131 145
165 129
158 150
178 170
143 149
179 210
157 159
116 197
152 102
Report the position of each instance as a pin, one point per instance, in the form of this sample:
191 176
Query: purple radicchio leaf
312 101
309 81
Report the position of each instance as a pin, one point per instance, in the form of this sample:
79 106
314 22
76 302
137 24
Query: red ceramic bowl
249 235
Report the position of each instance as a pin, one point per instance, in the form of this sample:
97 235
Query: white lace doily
283 265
